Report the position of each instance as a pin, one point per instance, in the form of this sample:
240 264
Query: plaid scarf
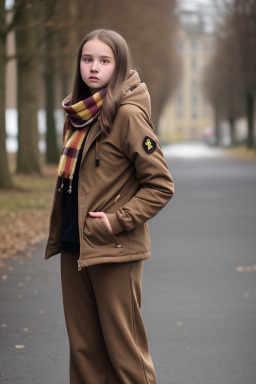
78 119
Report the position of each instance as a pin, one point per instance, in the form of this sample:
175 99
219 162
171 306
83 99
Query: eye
87 59
104 61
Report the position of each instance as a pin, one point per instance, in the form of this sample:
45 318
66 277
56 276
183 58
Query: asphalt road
199 287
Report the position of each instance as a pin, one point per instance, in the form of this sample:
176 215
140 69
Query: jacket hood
136 93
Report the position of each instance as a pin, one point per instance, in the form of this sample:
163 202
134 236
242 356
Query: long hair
115 87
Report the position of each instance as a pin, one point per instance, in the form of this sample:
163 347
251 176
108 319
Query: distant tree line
230 78
48 33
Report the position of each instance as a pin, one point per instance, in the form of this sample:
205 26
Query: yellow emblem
148 144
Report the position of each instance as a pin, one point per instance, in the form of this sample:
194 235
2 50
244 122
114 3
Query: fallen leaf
4 277
246 294
179 323
248 269
19 346
19 232
27 278
35 354
25 329
240 268
4 325
41 311
21 284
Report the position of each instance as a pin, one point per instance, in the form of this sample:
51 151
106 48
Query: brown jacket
131 184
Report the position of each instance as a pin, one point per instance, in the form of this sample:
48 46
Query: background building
188 114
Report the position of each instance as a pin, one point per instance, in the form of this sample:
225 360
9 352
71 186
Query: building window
194 100
193 64
193 45
194 83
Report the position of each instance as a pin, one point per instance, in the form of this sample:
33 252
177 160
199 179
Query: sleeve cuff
115 223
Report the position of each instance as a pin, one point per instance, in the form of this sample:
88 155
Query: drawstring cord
97 160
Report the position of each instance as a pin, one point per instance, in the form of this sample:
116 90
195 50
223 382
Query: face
97 64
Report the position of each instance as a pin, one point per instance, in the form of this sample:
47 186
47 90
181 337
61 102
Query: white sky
9 4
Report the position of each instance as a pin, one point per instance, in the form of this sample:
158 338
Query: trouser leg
108 342
117 289
89 362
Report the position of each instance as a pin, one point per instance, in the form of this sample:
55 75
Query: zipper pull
79 267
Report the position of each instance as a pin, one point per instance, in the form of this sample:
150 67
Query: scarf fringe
62 184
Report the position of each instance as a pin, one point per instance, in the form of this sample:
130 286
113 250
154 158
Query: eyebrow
102 57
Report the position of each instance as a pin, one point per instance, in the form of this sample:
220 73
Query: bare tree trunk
217 128
28 160
232 130
52 153
5 177
250 115
68 42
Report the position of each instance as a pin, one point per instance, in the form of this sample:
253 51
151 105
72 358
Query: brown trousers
107 337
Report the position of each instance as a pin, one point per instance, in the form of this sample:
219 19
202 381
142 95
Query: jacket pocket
121 197
96 234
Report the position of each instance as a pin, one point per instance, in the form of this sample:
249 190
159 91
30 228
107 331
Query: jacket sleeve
152 173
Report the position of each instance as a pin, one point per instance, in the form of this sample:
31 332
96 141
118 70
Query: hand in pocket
103 217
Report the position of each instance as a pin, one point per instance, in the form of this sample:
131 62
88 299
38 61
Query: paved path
199 288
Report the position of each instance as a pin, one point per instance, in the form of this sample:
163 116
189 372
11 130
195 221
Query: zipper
122 195
79 266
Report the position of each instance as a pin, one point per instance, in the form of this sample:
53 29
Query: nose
94 66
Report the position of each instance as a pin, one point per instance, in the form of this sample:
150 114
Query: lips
93 78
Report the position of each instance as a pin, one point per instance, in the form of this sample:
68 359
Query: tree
5 177
223 86
27 39
49 71
236 34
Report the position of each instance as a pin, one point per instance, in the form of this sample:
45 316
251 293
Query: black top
70 232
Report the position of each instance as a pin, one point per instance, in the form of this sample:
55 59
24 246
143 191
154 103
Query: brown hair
115 86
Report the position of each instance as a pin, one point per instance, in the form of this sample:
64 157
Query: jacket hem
112 259
52 252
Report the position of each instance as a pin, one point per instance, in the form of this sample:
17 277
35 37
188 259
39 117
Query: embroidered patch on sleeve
149 144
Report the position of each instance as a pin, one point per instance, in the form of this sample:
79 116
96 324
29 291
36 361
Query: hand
104 217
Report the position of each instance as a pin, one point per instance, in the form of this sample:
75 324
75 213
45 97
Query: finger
95 214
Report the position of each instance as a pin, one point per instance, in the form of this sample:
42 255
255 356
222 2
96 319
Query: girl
112 178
